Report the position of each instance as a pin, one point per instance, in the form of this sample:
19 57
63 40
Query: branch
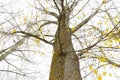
110 17
48 22
5 52
74 4
13 72
93 70
36 36
113 63
50 13
78 40
56 6
47 12
83 51
13 65
86 20
112 21
53 14
23 58
107 60
80 9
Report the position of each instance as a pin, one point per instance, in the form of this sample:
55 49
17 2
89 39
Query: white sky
43 61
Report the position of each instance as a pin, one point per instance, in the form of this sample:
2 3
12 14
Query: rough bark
65 63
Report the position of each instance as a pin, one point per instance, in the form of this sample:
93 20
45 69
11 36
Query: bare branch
35 36
110 17
80 9
13 72
56 6
12 65
74 4
107 60
83 51
86 20
113 63
53 14
4 53
48 22
93 70
112 21
49 13
23 58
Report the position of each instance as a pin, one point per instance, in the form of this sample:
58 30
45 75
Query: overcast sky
43 61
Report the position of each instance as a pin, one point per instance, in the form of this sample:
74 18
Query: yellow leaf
40 29
95 71
13 31
111 34
46 10
108 43
37 40
114 65
103 59
99 58
105 16
99 23
107 30
90 67
106 21
117 46
25 19
104 1
104 73
34 53
110 74
116 21
42 53
99 77
72 28
117 39
84 15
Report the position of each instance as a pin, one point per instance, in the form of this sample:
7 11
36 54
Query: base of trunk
72 69
65 67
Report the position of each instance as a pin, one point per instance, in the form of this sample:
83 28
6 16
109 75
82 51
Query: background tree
82 35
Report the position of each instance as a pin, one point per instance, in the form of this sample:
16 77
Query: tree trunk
65 63
65 67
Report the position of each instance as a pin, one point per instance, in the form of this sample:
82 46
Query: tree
68 27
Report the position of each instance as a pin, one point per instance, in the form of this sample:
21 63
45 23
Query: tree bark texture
65 63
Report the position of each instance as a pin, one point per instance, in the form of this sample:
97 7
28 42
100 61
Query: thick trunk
65 63
65 67
72 70
57 67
